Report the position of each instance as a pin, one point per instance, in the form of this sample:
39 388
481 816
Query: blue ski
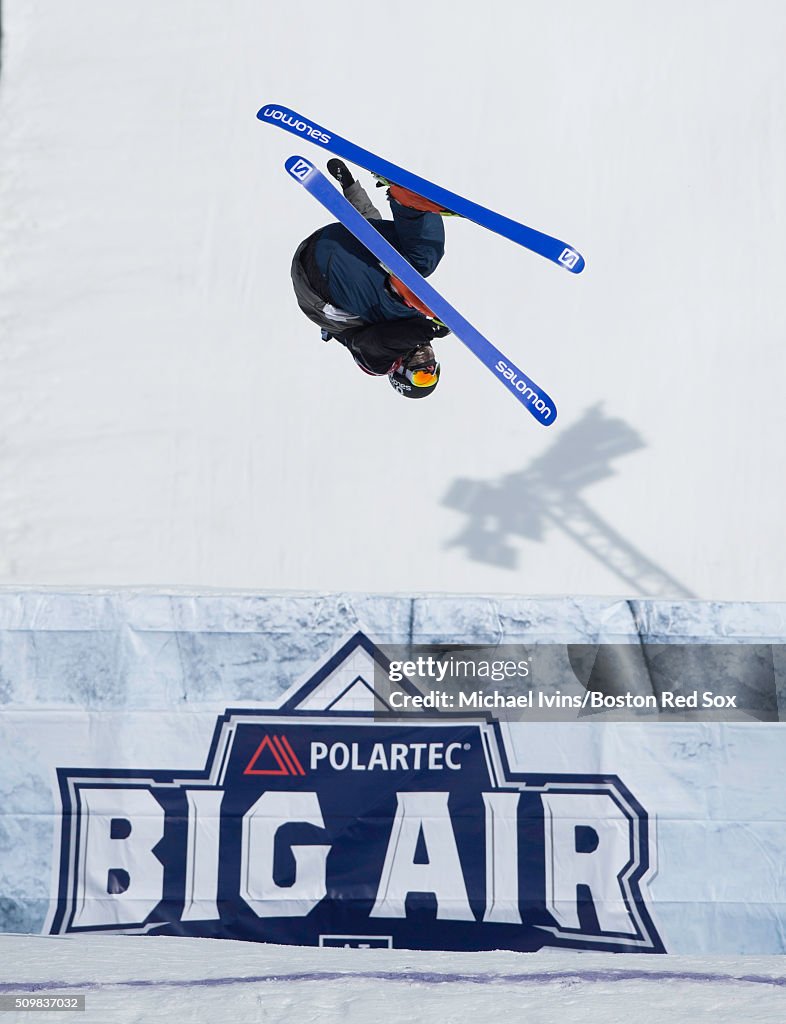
552 248
533 398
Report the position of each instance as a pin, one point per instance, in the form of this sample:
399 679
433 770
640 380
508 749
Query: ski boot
406 197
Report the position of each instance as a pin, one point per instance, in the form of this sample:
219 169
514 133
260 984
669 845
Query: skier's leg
407 197
419 233
421 237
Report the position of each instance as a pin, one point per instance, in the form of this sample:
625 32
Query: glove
340 172
439 329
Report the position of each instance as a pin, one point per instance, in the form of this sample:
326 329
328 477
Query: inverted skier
343 288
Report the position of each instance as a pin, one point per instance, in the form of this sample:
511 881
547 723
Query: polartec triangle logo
280 752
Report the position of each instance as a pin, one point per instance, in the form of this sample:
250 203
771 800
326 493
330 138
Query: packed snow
127 979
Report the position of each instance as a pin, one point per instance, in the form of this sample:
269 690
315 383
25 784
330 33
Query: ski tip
545 416
570 259
267 111
299 168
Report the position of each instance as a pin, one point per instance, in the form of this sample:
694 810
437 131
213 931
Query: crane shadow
547 495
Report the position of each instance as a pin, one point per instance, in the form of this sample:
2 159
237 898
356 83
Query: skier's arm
377 347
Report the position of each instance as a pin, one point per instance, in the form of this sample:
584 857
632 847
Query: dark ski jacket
347 276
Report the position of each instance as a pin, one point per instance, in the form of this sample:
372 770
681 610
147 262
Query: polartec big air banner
232 766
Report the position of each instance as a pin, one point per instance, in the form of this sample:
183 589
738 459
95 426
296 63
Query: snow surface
169 417
127 979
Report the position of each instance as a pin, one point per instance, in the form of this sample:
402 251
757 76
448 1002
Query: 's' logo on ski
300 169
568 258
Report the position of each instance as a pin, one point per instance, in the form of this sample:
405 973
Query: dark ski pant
420 239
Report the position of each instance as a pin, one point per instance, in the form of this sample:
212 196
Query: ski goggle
423 378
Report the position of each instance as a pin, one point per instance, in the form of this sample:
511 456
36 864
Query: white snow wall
136 679
169 417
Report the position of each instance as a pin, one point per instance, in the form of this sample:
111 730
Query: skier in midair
343 288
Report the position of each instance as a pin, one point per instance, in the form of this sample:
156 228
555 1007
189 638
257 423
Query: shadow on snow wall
548 494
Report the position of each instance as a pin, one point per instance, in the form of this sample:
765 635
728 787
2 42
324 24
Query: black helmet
418 373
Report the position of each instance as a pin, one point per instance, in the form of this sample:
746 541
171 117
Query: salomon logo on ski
293 123
525 387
